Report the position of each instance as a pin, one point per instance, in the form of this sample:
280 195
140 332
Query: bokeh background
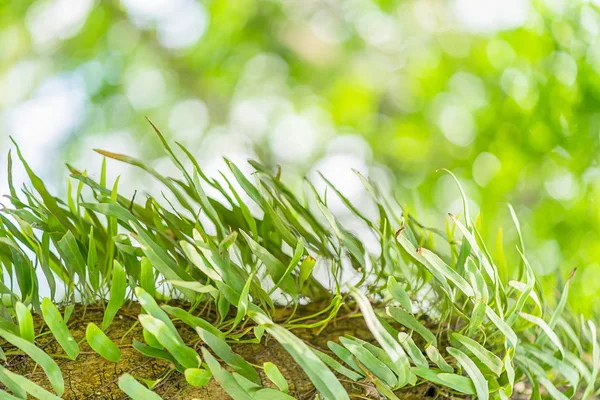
506 94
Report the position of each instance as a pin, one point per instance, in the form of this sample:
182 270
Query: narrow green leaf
161 261
153 352
136 390
271 394
198 377
59 329
117 294
11 385
547 330
387 341
434 355
275 267
40 357
186 356
224 352
510 335
344 355
369 361
69 250
306 268
195 286
479 381
323 379
225 379
25 321
589 390
444 269
147 278
7 396
456 382
275 376
412 350
411 322
477 316
151 307
101 343
242 306
399 294
488 358
463 196
337 367
192 320
28 386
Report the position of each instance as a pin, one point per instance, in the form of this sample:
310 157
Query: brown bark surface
92 377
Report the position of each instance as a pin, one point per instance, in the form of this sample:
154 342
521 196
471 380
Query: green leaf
298 252
337 367
306 268
463 196
412 350
153 352
487 266
488 358
59 329
192 320
223 351
7 396
506 330
40 357
275 267
456 382
101 343
275 376
195 286
417 255
186 356
242 306
411 322
399 294
69 250
271 394
345 356
147 279
436 263
589 390
198 377
560 306
434 355
323 379
11 385
117 294
479 381
136 390
196 259
387 341
372 363
225 379
547 330
151 307
25 319
477 316
26 385
161 261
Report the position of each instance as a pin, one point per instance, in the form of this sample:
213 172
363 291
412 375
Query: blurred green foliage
512 110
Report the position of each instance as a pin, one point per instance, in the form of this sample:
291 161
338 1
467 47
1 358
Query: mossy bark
92 377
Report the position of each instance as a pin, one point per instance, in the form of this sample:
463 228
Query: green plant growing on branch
438 311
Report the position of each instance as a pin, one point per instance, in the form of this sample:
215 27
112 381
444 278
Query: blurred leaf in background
503 93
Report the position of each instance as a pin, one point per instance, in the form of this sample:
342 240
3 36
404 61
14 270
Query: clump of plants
237 287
